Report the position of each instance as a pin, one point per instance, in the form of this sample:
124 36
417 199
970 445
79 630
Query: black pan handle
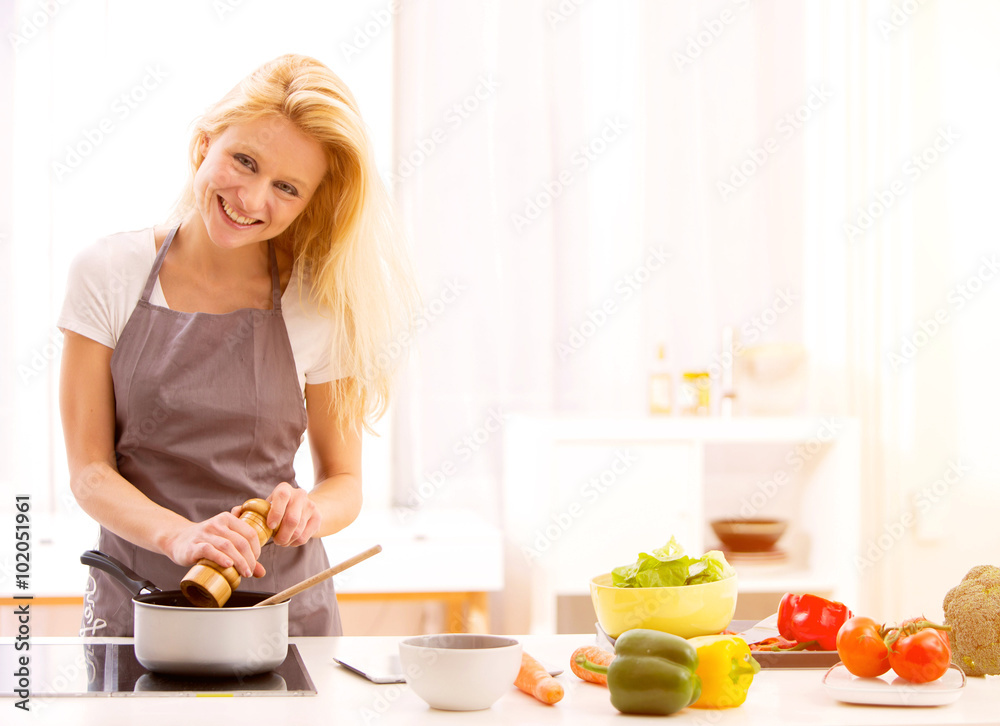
132 582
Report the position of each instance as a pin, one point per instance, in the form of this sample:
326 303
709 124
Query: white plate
890 690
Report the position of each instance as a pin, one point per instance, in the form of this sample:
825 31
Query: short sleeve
322 366
104 283
322 372
87 306
313 333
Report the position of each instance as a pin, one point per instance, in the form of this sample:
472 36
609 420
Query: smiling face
255 179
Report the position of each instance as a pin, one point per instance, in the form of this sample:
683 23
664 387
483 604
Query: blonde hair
345 241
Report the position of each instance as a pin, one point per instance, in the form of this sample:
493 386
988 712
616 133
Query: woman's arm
335 500
87 404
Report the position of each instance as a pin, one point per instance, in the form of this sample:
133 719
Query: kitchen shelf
583 494
792 582
694 428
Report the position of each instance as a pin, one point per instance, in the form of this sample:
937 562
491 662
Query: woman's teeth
238 218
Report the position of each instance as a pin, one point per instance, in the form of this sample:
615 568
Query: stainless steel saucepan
173 637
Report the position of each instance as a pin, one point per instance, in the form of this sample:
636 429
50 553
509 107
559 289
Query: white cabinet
430 550
583 495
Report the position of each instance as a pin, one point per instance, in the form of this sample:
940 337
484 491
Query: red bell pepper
805 618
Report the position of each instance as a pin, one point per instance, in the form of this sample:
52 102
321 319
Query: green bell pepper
652 673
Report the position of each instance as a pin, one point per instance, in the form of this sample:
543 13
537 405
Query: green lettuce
668 566
712 567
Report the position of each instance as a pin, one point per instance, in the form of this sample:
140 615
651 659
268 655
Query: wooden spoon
319 577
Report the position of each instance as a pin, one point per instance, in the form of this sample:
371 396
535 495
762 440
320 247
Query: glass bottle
661 391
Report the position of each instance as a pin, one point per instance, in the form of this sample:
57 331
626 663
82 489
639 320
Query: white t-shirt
107 278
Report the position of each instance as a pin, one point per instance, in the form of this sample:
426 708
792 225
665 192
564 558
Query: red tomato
861 648
921 657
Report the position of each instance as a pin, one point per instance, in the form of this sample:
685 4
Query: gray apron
208 414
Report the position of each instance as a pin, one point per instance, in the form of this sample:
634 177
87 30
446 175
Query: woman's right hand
225 539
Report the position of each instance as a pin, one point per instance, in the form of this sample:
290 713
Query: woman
193 352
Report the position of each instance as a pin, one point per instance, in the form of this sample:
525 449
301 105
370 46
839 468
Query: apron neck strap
275 279
158 263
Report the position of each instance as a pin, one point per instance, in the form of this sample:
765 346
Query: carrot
597 656
534 680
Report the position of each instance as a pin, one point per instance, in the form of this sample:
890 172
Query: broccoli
972 609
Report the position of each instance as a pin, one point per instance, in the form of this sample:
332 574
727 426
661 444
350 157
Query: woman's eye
287 188
244 161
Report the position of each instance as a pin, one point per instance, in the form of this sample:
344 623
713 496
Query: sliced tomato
777 643
861 647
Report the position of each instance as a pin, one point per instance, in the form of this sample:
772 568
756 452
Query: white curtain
747 141
899 239
574 167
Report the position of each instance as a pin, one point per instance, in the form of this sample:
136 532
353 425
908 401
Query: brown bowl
749 535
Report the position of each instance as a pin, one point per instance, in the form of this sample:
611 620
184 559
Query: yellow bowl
686 610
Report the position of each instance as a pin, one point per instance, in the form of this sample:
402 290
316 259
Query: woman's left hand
294 516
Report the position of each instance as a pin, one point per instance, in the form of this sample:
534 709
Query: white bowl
460 671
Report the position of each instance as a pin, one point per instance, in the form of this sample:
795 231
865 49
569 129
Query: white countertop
776 697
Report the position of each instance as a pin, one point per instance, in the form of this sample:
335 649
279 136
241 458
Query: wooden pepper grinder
207 584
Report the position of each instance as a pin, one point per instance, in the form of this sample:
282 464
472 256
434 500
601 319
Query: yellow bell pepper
726 669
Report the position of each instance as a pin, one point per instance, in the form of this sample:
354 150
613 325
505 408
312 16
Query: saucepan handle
135 584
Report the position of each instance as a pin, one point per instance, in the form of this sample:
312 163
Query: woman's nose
252 196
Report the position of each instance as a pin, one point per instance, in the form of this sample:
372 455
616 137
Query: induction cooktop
110 669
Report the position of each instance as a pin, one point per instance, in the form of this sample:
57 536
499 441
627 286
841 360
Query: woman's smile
238 220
